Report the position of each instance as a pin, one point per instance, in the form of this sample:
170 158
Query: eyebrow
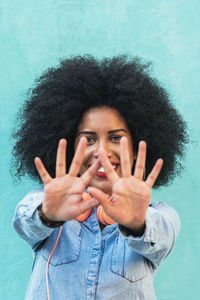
94 133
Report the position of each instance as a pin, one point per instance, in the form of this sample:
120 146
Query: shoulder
166 213
163 208
31 201
34 194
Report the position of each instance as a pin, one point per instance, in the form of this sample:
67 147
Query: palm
66 194
130 194
63 195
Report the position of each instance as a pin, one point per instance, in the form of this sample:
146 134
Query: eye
115 138
90 140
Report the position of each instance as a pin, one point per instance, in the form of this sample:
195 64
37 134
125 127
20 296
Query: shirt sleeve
26 221
162 228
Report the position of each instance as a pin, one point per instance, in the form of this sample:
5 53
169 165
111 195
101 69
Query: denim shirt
88 264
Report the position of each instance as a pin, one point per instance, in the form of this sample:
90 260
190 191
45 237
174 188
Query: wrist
46 221
129 231
135 229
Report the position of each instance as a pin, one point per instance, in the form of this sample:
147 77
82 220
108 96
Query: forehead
103 118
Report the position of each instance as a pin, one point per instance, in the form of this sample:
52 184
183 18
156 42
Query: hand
63 195
130 194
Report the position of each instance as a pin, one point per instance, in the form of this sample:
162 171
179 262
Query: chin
104 186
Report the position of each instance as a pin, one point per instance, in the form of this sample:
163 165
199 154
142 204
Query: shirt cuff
26 220
150 233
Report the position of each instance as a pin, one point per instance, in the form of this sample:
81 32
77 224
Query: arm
162 228
61 199
26 221
131 194
150 230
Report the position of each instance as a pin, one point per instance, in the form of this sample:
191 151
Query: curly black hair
55 106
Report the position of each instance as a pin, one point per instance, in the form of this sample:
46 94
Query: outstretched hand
130 193
63 195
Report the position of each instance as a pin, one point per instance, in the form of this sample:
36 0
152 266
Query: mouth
101 172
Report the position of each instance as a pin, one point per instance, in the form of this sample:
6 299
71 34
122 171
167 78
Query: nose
105 146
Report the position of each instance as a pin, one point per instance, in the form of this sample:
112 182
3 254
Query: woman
111 240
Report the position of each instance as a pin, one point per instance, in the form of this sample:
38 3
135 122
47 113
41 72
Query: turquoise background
37 34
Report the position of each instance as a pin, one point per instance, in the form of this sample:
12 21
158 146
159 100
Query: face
103 127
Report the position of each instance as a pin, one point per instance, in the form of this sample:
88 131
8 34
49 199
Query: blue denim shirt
89 264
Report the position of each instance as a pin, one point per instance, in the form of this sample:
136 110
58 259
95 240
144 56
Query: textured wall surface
37 34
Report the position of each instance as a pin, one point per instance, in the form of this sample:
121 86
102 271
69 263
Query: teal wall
35 35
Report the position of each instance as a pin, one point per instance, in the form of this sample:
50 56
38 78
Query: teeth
101 170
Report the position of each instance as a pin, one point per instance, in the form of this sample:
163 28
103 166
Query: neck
102 226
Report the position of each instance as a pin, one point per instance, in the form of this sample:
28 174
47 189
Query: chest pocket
126 262
68 247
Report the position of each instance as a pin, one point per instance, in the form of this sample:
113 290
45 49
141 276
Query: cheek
131 155
85 162
82 170
83 167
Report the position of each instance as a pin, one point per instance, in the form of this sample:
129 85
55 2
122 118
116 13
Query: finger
89 174
140 161
44 175
125 158
78 157
110 172
61 158
98 194
85 205
154 173
85 197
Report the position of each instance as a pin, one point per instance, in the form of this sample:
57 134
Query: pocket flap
68 247
126 262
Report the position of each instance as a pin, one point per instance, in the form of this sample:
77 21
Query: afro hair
55 106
